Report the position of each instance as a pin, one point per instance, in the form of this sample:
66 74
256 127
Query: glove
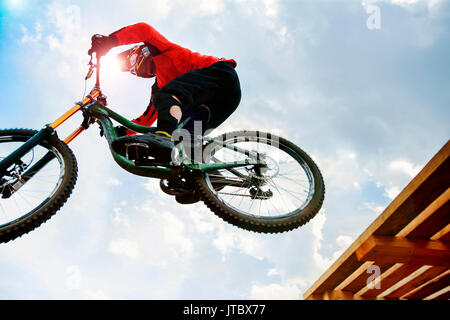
102 44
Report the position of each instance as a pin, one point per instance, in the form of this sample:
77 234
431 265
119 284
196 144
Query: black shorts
216 86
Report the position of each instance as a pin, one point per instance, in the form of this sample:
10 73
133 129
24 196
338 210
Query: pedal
136 151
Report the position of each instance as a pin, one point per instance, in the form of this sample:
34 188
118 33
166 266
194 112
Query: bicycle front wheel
278 197
36 186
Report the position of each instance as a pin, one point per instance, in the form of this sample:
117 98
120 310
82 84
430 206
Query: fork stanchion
75 109
74 134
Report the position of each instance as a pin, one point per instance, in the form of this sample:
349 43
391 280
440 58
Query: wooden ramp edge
405 251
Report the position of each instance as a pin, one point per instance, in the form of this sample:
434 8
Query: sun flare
14 4
110 65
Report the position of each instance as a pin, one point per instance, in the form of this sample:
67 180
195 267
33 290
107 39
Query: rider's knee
164 100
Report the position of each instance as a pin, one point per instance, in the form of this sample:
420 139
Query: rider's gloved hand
102 44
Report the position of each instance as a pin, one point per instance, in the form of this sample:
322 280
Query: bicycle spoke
39 187
283 187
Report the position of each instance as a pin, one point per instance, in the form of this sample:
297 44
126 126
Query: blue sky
370 104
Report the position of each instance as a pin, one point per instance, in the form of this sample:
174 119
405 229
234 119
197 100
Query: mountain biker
189 86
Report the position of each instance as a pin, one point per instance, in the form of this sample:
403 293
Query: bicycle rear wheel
282 196
29 194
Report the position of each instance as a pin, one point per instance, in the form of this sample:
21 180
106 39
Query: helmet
138 61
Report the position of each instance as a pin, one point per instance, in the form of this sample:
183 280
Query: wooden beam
360 284
339 295
434 285
443 294
390 278
443 234
384 250
431 182
404 282
349 283
429 221
414 283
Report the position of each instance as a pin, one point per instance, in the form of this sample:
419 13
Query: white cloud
65 19
124 247
202 220
271 8
404 166
392 191
248 243
342 241
290 289
191 10
409 4
275 292
113 181
316 226
432 5
394 176
405 2
341 171
273 272
28 38
155 237
377 210
73 281
96 295
174 236
119 218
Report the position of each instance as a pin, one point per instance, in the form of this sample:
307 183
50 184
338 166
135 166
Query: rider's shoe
187 198
158 145
190 198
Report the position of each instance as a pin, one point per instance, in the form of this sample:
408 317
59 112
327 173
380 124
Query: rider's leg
216 86
169 111
175 111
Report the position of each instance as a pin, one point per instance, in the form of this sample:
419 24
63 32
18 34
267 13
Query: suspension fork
12 158
46 133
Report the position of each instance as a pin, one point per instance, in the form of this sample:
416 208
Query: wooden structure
404 253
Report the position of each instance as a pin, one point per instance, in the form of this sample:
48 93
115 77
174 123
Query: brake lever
91 69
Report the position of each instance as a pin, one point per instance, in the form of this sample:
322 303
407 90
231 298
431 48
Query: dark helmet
138 61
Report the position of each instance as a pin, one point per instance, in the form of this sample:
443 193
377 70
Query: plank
428 185
359 284
416 282
444 295
435 217
432 286
385 250
394 277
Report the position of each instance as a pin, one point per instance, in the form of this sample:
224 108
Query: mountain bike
254 180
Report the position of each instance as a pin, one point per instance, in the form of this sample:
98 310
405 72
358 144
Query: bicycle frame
94 109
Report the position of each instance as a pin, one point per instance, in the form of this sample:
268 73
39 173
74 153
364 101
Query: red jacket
171 60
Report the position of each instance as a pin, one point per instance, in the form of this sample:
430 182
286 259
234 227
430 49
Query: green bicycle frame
104 116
